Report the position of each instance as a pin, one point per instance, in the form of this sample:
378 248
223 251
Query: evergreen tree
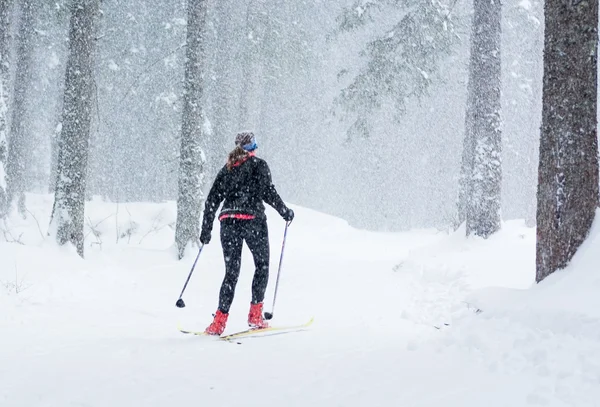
481 171
401 63
69 201
191 161
568 167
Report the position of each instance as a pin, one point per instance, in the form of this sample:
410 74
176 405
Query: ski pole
180 303
269 315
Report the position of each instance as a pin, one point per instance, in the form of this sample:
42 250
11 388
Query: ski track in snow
103 331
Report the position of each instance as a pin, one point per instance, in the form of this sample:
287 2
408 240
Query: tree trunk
4 78
191 161
568 169
18 156
482 165
69 201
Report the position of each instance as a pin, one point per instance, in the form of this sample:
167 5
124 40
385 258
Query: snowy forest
442 147
380 112
337 117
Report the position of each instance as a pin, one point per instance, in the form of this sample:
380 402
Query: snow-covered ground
103 331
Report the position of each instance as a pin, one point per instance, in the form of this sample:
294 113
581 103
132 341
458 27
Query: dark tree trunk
568 170
480 186
191 161
69 202
5 8
18 156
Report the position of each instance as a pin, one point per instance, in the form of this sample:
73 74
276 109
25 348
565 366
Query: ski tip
197 333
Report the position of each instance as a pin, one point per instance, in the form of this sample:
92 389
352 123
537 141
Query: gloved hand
288 216
205 237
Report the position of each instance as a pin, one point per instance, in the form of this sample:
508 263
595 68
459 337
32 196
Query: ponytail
236 155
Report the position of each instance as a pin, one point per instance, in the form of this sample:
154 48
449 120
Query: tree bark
480 186
191 161
69 202
18 156
5 8
568 169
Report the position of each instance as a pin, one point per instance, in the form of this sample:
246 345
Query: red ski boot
218 325
255 316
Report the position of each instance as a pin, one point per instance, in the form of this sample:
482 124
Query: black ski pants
233 234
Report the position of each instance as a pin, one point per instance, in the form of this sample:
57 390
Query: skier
243 183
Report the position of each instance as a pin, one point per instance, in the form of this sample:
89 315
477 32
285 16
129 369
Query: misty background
284 76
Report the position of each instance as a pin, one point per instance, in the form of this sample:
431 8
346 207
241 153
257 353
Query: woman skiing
243 184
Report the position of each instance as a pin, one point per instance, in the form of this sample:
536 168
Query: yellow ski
258 332
253 332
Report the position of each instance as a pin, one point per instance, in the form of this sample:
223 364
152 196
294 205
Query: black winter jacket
243 188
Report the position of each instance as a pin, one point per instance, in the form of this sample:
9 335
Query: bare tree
481 172
568 169
20 131
69 201
4 76
191 161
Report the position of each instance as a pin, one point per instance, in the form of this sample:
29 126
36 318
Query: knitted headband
246 140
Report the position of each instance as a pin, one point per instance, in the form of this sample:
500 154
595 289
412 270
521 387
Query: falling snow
393 128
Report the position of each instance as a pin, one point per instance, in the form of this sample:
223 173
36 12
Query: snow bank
102 331
442 275
550 332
